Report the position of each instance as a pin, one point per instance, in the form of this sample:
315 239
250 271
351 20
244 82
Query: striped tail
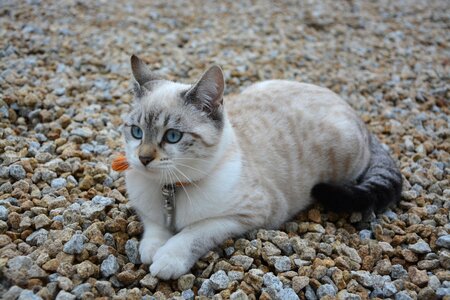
376 188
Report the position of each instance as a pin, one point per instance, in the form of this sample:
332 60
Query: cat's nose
145 160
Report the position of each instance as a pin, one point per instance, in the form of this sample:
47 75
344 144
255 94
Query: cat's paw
169 263
148 249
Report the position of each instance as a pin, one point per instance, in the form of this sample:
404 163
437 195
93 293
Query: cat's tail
376 188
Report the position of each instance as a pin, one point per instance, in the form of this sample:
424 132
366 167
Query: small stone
349 252
442 241
219 280
314 215
104 201
13 292
104 288
241 260
149 282
206 289
389 289
86 269
3 213
188 295
37 238
84 132
420 247
28 295
272 282
41 221
127 277
59 183
109 266
442 292
444 259
365 234
309 293
282 263
299 283
238 295
76 244
186 282
398 272
326 289
288 294
64 283
17 172
132 251
418 277
80 289
402 295
63 295
363 277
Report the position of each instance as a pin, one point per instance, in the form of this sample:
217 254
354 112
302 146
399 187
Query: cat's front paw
170 263
148 248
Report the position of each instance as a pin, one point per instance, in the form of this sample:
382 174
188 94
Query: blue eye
136 132
173 136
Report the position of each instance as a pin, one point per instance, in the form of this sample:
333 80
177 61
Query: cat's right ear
141 72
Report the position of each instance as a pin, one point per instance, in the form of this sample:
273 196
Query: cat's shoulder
280 85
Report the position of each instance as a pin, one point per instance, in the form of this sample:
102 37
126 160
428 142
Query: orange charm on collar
120 163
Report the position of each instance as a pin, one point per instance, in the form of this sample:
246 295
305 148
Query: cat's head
174 130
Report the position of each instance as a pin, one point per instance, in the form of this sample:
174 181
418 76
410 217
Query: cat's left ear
141 72
207 93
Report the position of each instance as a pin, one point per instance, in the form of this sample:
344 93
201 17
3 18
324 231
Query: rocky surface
66 228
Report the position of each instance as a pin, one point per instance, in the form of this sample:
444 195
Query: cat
254 160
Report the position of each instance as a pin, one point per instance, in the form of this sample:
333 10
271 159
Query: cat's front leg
180 252
155 236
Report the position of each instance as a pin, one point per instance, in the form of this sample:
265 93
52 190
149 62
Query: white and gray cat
254 161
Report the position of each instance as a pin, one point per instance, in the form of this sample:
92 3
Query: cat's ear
207 93
141 72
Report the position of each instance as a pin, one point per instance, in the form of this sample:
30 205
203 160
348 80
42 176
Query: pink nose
145 160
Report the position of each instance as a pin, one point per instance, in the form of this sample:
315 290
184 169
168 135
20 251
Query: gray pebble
80 289
287 294
242 260
17 172
149 282
421 247
188 294
83 132
365 234
309 293
442 241
402 295
389 289
37 238
272 282
282 264
104 288
441 292
219 280
59 183
206 289
3 213
238 295
132 251
63 295
13 292
364 278
104 201
28 295
76 244
398 271
326 289
109 266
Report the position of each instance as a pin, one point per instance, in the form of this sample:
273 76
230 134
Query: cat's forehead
164 95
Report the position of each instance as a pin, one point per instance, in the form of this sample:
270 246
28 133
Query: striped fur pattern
251 160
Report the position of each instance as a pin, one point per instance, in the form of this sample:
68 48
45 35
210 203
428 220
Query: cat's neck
227 148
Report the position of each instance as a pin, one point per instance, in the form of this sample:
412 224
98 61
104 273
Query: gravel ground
66 228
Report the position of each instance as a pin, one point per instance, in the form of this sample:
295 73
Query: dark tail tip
342 198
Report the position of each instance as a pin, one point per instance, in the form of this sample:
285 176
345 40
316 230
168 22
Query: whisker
191 203
187 166
194 184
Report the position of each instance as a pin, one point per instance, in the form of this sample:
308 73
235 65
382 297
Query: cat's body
254 165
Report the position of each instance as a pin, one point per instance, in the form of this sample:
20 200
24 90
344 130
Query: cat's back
271 101
285 126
